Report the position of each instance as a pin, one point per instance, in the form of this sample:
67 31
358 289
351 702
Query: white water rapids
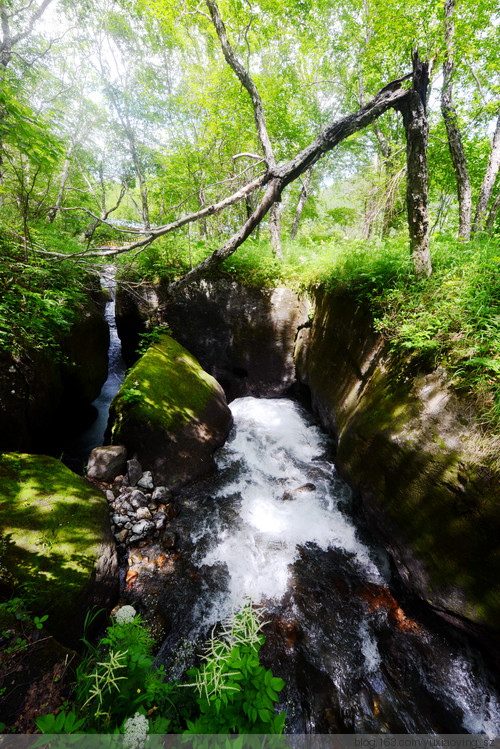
277 525
286 499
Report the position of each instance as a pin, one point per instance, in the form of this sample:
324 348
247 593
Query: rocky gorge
424 481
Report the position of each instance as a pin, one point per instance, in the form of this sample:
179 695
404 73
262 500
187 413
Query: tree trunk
62 187
451 123
203 222
486 190
275 229
304 194
490 221
414 111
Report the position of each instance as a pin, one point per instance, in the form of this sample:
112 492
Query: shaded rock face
242 336
407 444
55 539
44 398
170 414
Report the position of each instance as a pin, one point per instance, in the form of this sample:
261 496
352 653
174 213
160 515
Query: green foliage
39 300
235 693
117 678
117 684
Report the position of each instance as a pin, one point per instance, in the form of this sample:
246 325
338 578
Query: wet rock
121 535
168 539
160 523
177 421
109 495
161 494
138 499
293 493
134 471
146 482
144 514
106 462
170 511
119 519
143 528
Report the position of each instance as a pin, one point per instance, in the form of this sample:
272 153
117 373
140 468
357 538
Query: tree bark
414 111
275 229
452 130
304 194
490 221
391 95
488 184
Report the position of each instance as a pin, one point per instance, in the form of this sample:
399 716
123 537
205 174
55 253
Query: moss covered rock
429 482
170 414
55 541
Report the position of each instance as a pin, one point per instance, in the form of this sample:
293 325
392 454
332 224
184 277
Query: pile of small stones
140 511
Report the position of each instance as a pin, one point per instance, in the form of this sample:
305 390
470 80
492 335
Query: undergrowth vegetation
39 298
119 690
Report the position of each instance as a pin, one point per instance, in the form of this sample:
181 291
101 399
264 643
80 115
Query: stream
76 454
276 525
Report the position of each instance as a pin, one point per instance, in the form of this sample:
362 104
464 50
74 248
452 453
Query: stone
119 519
137 499
146 482
242 335
106 462
170 511
177 421
168 539
161 494
134 471
143 513
121 535
109 495
143 528
160 523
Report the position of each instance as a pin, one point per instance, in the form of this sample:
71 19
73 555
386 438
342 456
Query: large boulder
55 541
170 414
428 479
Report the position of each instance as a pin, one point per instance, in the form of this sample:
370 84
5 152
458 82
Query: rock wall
409 446
44 396
242 336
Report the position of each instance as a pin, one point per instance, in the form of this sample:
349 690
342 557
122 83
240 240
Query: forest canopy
125 121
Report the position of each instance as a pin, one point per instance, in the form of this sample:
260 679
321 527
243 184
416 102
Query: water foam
278 452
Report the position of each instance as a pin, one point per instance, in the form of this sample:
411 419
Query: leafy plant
235 693
118 688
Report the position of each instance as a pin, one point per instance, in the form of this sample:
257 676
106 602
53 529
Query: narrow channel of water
77 453
278 525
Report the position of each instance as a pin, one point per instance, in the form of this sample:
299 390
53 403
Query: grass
451 319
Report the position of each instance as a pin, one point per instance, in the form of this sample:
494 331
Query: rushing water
77 453
278 525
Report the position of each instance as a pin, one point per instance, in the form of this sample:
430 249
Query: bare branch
245 79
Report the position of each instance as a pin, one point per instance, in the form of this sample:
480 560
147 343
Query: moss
51 524
167 388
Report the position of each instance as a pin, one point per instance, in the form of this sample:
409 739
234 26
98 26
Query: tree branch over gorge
277 177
